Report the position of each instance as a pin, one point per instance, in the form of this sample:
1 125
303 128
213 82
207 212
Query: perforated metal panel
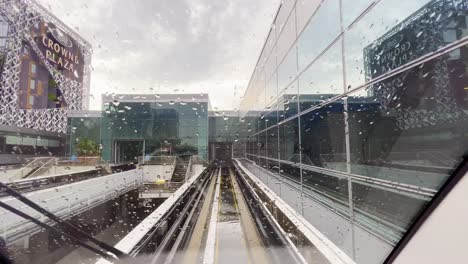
22 15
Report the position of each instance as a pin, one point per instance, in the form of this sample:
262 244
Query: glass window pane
288 185
29 141
322 29
287 106
33 68
323 137
323 79
262 162
283 14
271 118
270 67
289 141
287 70
408 130
323 146
269 48
353 9
13 140
287 37
272 141
304 10
392 34
271 90
325 205
262 144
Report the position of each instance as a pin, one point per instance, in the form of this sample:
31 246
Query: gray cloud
171 45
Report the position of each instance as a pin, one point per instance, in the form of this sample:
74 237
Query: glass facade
83 129
142 126
227 133
351 138
16 145
361 106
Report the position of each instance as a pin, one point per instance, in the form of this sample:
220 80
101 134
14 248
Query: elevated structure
98 191
354 111
349 147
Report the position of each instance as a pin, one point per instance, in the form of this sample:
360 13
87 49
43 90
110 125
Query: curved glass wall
370 114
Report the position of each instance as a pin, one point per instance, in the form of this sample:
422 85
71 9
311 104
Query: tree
87 147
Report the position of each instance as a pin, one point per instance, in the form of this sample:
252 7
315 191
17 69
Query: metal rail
398 187
188 173
40 183
176 235
171 231
366 220
274 238
171 245
162 236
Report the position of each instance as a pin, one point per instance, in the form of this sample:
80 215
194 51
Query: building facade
363 105
167 124
83 133
44 68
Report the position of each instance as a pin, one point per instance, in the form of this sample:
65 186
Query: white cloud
185 45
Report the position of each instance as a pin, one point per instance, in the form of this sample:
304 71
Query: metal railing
157 160
68 200
199 160
42 169
437 158
38 183
389 185
54 163
33 165
44 165
188 173
165 187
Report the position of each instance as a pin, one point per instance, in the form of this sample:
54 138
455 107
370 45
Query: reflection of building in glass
418 101
83 126
437 85
139 125
339 107
227 135
44 68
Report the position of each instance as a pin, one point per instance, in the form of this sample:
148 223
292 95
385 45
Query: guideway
239 231
215 217
237 238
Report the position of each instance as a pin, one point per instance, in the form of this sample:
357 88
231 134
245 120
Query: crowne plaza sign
60 50
59 54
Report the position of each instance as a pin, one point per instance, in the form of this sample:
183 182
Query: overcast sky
167 46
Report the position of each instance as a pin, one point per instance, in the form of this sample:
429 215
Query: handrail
437 157
390 185
40 169
154 160
39 165
199 160
173 166
21 173
189 169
